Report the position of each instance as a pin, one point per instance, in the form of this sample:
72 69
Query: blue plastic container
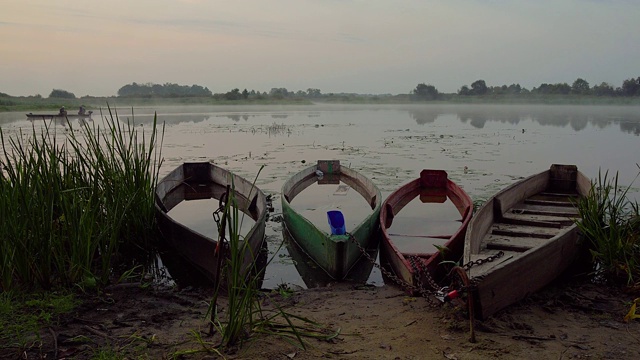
336 222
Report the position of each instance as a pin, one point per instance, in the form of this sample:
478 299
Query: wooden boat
418 259
533 222
58 116
334 253
204 180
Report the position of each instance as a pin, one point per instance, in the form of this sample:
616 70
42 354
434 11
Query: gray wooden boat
58 116
533 223
203 180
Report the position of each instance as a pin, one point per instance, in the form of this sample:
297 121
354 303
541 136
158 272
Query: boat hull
431 186
313 276
203 180
533 223
335 254
32 116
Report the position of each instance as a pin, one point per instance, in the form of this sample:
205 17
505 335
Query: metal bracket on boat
220 223
445 294
216 216
442 294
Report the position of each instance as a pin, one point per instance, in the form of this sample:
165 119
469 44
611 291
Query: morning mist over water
483 148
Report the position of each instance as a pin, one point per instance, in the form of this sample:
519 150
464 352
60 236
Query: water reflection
172 269
313 276
630 127
425 115
62 122
235 117
578 117
143 119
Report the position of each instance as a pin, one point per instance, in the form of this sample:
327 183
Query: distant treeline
422 92
630 87
163 91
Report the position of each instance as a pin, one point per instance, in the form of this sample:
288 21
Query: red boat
423 223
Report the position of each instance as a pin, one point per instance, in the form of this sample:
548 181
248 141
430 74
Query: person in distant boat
63 112
82 110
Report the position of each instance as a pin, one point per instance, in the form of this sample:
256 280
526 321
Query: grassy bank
48 104
75 206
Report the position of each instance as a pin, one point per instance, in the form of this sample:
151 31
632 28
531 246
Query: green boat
335 249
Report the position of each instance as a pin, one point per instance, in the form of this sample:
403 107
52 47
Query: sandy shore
565 321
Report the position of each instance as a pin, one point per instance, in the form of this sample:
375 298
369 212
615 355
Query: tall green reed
242 283
72 200
610 221
245 314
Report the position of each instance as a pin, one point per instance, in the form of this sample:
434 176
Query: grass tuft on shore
74 203
610 221
245 316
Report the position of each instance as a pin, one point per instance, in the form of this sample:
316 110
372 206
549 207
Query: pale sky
91 47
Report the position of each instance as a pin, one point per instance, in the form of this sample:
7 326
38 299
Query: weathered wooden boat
204 180
533 224
335 253
58 116
425 242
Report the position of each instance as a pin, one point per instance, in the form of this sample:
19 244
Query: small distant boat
58 116
416 266
533 224
204 180
334 251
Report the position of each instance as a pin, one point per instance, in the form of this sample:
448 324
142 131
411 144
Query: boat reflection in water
313 276
174 269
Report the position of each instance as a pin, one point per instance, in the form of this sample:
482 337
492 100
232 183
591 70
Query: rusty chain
413 289
441 294
419 269
476 280
488 259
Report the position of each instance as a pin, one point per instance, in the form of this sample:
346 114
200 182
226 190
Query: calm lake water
482 147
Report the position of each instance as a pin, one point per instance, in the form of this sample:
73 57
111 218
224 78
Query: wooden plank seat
515 244
548 194
559 203
536 220
523 231
524 208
